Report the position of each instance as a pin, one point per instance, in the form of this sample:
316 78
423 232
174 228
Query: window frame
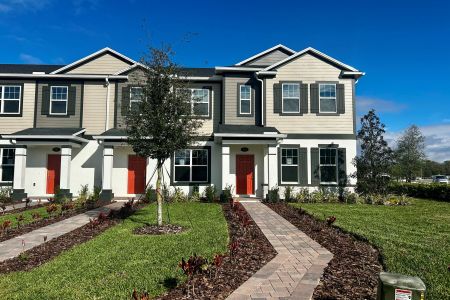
2 99
329 165
191 165
135 101
207 102
241 99
335 98
59 100
289 165
2 150
282 97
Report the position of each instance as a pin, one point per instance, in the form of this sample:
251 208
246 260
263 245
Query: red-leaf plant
51 208
194 265
36 216
233 248
5 225
66 207
102 217
330 220
20 218
218 261
139 296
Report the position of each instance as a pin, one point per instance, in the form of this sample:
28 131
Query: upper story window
289 165
7 164
191 165
58 100
200 102
328 166
10 99
245 99
327 98
136 94
290 98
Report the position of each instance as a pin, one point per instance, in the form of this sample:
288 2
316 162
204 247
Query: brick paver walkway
13 247
295 271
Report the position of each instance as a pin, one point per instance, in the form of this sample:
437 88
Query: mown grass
27 214
414 239
111 265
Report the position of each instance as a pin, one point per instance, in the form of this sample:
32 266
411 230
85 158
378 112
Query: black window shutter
342 167
125 100
277 98
303 169
45 105
315 172
304 99
72 100
340 98
314 98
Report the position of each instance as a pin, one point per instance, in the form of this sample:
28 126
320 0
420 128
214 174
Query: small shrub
273 195
92 199
51 209
436 191
210 193
5 195
67 206
227 194
5 226
303 196
179 196
20 218
36 216
140 296
330 220
27 202
59 197
288 193
23 257
195 195
150 195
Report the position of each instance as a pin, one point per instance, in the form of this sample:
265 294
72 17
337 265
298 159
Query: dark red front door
136 174
244 174
53 172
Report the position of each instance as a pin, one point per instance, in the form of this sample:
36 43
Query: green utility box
393 286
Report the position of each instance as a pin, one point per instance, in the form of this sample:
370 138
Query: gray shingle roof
200 72
27 69
250 129
48 131
115 132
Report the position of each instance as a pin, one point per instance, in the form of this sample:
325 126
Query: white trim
282 99
249 100
137 101
59 100
6 165
2 99
237 69
99 52
255 135
335 99
46 136
286 165
264 52
68 76
130 68
317 52
108 137
329 165
191 165
192 102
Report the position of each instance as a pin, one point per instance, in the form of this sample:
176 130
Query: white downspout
262 98
107 103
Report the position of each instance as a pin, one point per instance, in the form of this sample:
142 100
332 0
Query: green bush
288 193
5 195
227 193
179 196
210 193
273 195
303 196
436 191
150 195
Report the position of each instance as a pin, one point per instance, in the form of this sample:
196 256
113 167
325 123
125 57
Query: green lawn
111 265
27 215
415 239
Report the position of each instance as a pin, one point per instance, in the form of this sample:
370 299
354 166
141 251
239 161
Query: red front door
53 172
136 174
244 174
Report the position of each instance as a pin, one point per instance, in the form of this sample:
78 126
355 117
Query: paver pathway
295 271
13 247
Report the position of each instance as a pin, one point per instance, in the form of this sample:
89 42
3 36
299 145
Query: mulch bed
158 230
250 252
40 254
13 232
353 271
18 210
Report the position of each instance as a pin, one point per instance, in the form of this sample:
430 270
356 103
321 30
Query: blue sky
402 46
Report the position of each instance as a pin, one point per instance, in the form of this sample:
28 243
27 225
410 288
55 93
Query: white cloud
364 104
29 59
22 5
437 141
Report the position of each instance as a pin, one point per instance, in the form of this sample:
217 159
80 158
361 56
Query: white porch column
20 163
273 166
225 166
108 155
64 180
265 184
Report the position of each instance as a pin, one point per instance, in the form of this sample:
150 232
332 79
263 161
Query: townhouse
278 118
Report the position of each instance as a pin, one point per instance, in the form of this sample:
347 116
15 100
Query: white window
58 100
245 99
200 102
291 98
327 98
136 94
191 165
328 166
10 99
289 165
7 164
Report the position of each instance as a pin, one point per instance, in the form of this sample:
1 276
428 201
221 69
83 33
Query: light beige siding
94 107
268 59
310 69
105 64
13 124
231 101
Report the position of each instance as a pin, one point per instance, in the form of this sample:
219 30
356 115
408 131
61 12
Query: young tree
164 121
376 156
410 153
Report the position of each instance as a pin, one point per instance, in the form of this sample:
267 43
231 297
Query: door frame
56 179
253 174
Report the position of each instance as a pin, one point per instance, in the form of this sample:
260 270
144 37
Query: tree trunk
158 192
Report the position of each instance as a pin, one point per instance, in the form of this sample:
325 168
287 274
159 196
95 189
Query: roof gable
104 61
267 57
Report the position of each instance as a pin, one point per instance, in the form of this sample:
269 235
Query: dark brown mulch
252 253
13 232
18 210
158 230
353 271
